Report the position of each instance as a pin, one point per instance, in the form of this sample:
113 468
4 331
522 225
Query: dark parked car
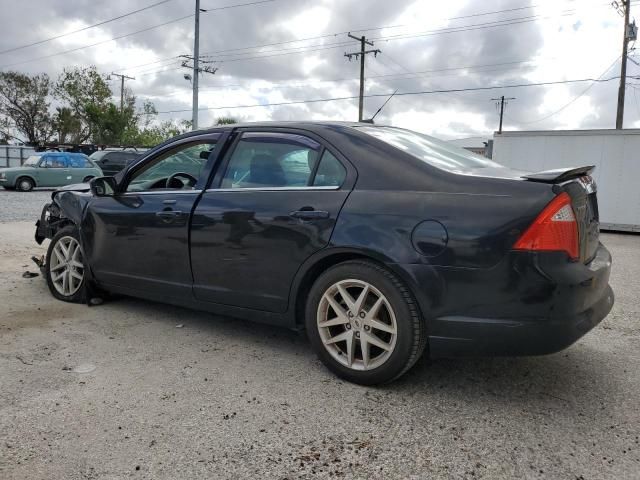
112 161
380 241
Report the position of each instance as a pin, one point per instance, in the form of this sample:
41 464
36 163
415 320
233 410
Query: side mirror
103 186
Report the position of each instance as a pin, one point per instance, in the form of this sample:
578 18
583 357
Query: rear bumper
530 304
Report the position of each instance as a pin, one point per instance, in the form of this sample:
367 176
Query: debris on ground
29 274
180 325
39 262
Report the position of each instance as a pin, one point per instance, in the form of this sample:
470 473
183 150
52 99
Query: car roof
62 154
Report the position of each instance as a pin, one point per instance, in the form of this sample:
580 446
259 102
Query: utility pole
122 79
630 32
196 68
503 101
362 53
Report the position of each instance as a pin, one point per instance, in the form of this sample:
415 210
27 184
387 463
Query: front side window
271 160
435 152
178 168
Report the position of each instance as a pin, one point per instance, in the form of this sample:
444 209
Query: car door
268 210
137 239
53 171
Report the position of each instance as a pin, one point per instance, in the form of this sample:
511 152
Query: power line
424 92
574 99
415 76
97 43
104 22
258 2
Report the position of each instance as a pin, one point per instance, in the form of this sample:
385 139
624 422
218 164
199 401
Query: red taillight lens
555 229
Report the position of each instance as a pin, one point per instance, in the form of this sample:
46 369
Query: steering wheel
191 180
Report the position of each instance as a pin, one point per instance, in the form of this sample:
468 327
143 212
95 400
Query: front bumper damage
49 223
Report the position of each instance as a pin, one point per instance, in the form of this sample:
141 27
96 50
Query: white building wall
615 153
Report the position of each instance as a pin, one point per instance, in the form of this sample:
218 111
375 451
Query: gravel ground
133 389
22 206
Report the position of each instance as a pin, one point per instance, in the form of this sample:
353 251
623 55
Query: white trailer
615 153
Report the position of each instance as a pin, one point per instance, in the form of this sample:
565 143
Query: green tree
87 94
67 125
24 105
226 121
151 135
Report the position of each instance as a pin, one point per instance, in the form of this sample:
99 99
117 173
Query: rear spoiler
559 175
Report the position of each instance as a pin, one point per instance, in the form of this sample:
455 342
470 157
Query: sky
284 51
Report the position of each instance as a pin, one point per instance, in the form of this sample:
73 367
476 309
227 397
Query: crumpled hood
76 187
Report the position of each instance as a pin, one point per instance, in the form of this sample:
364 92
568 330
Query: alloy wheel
66 267
357 325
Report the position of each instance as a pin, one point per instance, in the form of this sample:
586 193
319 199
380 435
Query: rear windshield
430 150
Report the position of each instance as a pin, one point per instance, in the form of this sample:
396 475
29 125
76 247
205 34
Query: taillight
555 229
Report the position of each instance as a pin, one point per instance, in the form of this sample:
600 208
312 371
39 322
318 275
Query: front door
138 238
54 171
276 203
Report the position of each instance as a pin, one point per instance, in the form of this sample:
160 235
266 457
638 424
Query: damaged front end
66 207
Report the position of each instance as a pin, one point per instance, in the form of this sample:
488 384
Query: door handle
169 202
168 214
309 214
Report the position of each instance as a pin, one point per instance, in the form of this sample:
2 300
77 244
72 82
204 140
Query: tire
397 310
25 184
87 179
71 288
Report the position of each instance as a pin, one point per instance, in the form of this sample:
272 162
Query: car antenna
370 120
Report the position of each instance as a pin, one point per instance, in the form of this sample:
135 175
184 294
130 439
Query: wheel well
314 272
20 177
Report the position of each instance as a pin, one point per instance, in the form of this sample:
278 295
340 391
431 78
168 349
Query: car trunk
579 185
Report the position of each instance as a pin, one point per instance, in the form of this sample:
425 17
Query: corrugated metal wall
12 156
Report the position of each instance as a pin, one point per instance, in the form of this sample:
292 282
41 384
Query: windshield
95 156
430 150
32 161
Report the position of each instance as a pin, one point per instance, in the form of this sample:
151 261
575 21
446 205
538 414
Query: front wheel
65 270
25 184
363 323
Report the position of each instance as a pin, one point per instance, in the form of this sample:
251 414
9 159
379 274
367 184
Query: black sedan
380 242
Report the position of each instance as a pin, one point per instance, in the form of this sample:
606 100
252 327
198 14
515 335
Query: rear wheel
363 323
87 179
25 184
65 270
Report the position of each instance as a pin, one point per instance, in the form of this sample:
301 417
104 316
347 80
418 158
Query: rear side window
271 160
79 162
331 173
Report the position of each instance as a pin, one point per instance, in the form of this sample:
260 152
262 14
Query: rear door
274 203
79 168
